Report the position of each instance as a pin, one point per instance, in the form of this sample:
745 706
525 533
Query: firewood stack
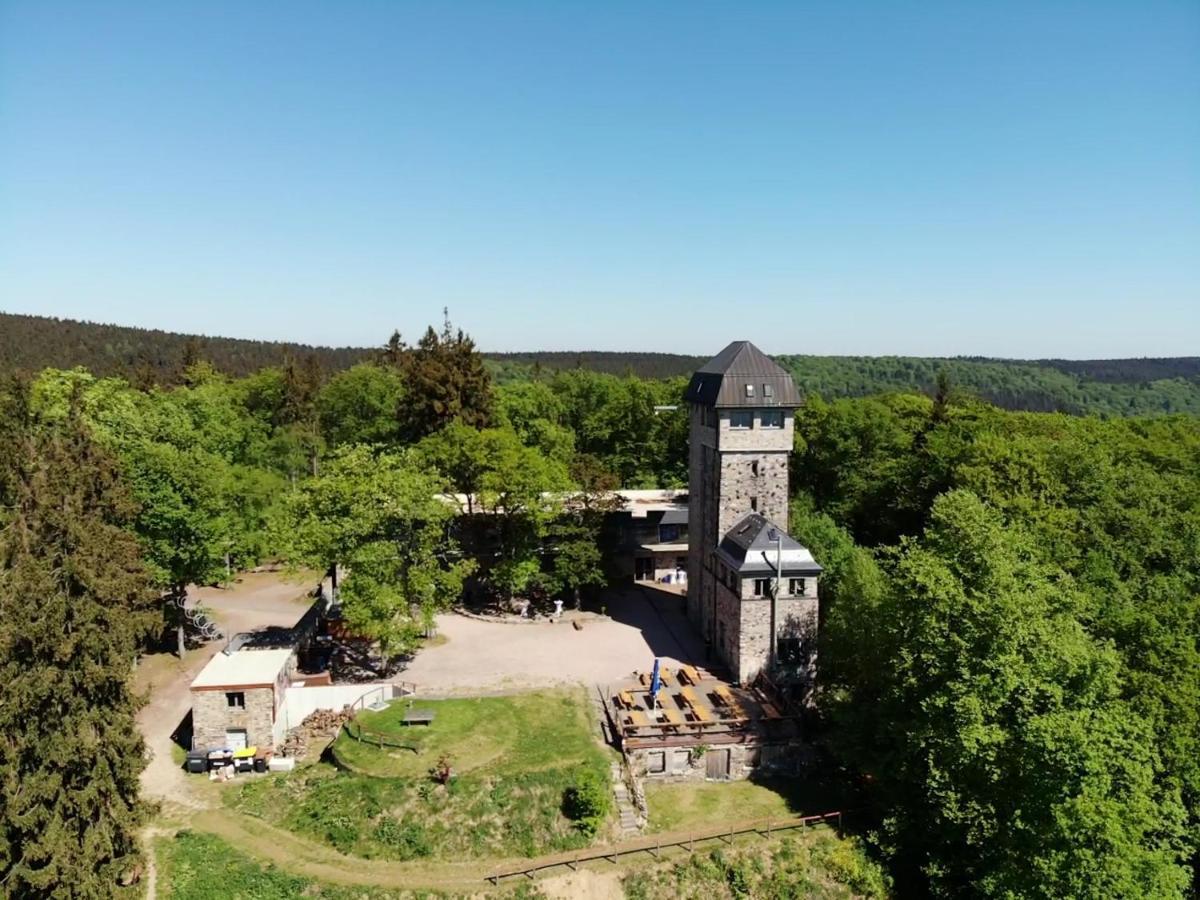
318 727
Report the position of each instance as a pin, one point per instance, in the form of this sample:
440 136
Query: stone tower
741 407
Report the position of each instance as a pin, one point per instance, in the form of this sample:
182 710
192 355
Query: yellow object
245 752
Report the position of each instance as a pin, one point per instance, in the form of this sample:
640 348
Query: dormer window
750 391
768 391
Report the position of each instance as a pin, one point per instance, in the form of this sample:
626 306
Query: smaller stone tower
741 406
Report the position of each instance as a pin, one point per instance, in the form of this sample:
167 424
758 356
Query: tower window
235 699
741 418
754 468
772 418
753 504
796 587
762 587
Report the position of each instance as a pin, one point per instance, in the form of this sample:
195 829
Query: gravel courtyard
481 656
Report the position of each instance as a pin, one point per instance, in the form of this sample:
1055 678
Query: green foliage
360 405
75 605
446 381
587 802
819 865
378 513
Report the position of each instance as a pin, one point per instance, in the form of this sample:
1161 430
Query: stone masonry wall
211 716
740 449
795 616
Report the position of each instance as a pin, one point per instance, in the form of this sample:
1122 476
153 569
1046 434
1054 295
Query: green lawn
513 758
501 735
699 805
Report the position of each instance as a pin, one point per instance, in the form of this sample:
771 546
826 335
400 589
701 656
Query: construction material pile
318 727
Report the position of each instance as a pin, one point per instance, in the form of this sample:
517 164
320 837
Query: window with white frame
772 418
750 391
741 418
235 699
796 587
762 587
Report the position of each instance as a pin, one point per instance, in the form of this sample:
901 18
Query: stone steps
626 810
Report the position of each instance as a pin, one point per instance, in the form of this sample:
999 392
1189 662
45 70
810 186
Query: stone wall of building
753 481
796 617
703 495
212 716
683 764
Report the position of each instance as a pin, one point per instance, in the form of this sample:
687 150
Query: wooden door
717 762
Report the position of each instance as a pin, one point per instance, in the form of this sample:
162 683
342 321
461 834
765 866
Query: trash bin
260 764
197 762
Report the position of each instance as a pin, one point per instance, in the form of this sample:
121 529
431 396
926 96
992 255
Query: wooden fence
399 690
654 844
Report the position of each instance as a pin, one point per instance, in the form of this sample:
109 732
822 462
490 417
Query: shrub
586 802
408 839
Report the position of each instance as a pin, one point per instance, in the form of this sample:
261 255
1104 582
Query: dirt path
299 855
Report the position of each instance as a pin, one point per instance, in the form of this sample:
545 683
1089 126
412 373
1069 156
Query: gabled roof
723 379
750 548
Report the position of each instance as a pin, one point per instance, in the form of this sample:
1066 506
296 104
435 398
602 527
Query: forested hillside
1010 654
1117 387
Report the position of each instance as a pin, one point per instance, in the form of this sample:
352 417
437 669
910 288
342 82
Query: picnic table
638 719
770 710
417 716
673 717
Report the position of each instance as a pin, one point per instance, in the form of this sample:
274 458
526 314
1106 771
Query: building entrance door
643 568
235 738
717 762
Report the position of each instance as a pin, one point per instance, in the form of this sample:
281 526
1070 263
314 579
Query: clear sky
1008 178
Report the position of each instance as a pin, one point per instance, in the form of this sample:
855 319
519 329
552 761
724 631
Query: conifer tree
74 605
446 381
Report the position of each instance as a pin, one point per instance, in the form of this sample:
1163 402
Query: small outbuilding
237 699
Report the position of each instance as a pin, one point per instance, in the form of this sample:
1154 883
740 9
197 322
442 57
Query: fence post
768 827
839 823
692 842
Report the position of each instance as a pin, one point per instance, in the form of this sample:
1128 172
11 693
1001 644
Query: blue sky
1009 179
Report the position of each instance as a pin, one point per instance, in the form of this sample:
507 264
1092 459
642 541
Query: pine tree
446 381
75 604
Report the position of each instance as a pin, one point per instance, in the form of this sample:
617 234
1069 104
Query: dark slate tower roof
750 548
722 381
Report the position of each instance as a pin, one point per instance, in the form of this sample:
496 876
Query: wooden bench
690 673
701 713
723 695
417 716
626 700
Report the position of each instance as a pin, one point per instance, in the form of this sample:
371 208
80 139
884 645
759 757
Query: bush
587 802
408 839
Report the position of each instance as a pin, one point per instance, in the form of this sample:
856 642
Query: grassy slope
816 865
514 757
